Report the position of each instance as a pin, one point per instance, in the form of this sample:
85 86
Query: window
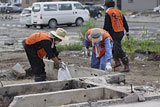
26 11
27 1
36 8
65 7
78 6
130 1
50 7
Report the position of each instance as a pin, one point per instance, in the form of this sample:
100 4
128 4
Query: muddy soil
141 72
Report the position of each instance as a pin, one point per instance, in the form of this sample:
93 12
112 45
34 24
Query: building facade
27 3
136 5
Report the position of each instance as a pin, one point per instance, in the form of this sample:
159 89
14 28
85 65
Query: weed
87 25
70 47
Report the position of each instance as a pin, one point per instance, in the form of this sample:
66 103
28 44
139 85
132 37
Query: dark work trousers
117 49
36 63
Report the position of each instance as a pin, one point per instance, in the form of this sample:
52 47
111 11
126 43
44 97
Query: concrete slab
153 103
65 97
75 71
10 91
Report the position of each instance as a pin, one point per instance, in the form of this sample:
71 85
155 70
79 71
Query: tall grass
70 47
87 25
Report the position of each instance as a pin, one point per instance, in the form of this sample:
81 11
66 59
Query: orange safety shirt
116 19
37 37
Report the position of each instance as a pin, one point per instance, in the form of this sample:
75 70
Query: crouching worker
39 45
101 48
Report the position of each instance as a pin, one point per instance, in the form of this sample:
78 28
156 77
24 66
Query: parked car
56 13
25 17
100 7
156 9
94 11
10 9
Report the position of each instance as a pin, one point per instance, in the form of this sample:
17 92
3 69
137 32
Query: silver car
25 17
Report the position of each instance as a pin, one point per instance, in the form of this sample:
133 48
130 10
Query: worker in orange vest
101 42
115 23
43 44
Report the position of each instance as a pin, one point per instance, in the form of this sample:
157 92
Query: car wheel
7 11
69 24
35 26
52 23
79 21
99 15
41 26
27 26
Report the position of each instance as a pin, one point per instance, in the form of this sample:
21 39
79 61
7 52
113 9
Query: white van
55 13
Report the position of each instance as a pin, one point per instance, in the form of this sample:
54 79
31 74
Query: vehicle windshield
78 6
26 11
36 8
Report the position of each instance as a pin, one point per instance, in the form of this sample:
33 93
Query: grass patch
132 45
70 47
85 27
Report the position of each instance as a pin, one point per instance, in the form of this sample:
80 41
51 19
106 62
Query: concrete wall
9 92
75 71
65 97
25 5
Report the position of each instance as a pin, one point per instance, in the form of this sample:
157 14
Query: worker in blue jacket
101 48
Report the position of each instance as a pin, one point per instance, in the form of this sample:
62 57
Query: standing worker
39 45
115 23
101 48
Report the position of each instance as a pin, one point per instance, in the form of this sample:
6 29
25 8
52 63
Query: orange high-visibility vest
37 37
116 19
106 34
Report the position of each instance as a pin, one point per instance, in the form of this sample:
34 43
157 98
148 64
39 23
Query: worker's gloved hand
87 52
108 67
127 34
62 65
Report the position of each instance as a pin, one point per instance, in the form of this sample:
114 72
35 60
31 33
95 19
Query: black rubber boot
117 63
126 68
40 78
126 64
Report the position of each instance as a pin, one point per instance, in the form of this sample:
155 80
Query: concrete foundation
75 71
65 97
9 92
88 87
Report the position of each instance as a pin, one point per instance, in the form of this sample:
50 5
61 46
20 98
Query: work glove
108 67
127 34
62 65
87 52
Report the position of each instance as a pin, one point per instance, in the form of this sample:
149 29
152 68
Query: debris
134 97
132 89
1 83
18 70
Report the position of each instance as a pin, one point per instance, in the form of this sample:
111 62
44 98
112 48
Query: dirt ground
141 72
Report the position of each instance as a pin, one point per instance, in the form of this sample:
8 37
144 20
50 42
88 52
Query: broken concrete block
10 41
116 78
156 84
18 70
131 98
134 97
141 97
